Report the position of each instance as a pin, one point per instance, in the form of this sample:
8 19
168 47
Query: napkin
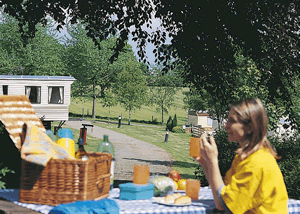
39 148
104 206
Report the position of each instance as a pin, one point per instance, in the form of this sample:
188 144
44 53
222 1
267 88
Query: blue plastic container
131 191
65 140
64 133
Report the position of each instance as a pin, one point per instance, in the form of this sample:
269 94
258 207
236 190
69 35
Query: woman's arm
209 162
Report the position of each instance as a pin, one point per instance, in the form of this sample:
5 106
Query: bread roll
171 198
183 200
177 195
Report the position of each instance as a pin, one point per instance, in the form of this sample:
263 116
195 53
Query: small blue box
131 191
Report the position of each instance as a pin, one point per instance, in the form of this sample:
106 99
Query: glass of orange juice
141 174
195 147
192 188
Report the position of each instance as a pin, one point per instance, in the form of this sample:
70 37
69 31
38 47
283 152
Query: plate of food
174 200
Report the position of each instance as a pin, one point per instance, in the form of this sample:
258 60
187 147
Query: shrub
289 163
169 124
178 129
3 172
174 121
10 161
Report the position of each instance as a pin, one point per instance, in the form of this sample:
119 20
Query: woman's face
236 130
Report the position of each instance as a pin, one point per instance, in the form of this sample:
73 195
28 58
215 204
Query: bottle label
112 167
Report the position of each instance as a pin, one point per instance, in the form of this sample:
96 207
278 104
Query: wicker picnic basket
63 181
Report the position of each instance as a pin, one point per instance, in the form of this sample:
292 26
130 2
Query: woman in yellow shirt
254 183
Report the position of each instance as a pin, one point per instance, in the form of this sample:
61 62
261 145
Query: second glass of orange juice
192 188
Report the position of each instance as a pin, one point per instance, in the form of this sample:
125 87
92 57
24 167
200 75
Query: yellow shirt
255 185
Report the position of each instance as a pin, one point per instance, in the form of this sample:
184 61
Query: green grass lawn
146 113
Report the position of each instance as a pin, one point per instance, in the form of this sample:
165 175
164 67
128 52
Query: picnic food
183 200
176 185
182 184
162 185
172 198
174 174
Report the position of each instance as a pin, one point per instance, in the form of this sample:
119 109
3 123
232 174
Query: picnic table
204 204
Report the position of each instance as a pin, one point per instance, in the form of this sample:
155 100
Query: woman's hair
253 115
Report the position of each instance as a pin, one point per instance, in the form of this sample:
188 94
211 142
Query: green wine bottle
106 147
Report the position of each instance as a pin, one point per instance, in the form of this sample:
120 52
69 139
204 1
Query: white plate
181 191
161 200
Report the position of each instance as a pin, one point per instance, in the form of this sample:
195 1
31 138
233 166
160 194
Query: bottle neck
105 138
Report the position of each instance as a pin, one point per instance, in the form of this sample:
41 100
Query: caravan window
5 89
56 95
33 93
209 121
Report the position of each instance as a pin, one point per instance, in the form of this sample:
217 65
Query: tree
91 66
204 35
248 82
109 100
42 55
130 87
162 91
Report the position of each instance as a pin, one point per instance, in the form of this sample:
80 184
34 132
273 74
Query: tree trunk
94 107
94 102
162 115
108 115
129 117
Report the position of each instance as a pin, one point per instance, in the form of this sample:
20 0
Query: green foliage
91 67
205 38
3 172
289 164
130 87
41 56
10 161
174 121
169 124
162 90
178 129
247 82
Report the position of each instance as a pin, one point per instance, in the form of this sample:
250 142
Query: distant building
196 118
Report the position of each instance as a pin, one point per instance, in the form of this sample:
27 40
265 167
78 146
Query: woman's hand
208 151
